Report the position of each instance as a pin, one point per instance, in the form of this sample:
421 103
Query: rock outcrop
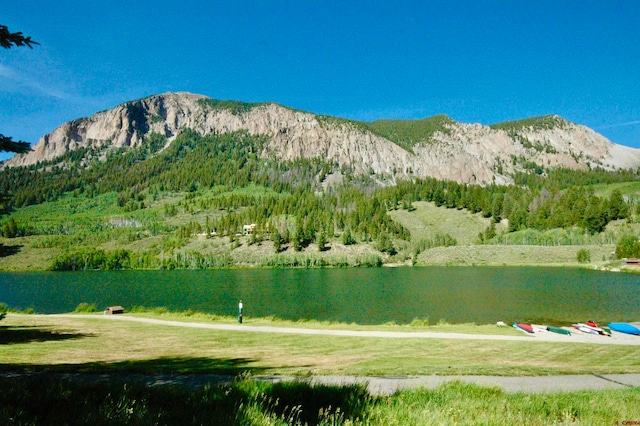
467 153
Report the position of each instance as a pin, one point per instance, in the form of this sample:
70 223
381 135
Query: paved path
375 385
539 384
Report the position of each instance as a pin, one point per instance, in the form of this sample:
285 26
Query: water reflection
364 296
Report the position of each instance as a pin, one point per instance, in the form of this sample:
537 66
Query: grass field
55 343
427 220
48 344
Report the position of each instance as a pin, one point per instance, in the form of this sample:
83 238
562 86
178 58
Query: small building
111 310
633 261
248 229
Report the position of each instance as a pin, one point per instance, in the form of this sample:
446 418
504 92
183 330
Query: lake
365 296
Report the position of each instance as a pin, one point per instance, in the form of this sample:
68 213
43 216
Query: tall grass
459 403
51 400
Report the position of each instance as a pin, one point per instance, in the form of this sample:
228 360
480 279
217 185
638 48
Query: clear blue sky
476 61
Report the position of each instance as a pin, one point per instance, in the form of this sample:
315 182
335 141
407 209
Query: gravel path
376 385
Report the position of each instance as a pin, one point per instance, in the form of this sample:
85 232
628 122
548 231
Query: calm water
365 296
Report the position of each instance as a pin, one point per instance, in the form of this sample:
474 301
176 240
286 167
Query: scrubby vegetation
408 133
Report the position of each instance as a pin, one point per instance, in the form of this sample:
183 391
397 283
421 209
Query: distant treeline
94 259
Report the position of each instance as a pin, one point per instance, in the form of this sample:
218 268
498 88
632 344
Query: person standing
240 307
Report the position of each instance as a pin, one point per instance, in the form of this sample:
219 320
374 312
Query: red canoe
527 328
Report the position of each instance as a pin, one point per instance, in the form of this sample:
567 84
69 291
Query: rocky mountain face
467 153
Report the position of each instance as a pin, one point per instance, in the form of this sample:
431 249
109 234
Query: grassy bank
53 401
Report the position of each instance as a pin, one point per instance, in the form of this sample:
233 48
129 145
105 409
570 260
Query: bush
628 246
584 256
3 310
86 308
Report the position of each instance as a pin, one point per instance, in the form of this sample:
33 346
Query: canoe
593 326
623 327
558 330
527 328
585 328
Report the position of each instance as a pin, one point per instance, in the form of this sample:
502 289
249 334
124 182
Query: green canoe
558 330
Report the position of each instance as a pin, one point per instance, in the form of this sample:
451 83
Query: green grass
517 255
626 188
427 220
235 107
46 343
43 345
408 133
55 401
467 404
544 122
51 400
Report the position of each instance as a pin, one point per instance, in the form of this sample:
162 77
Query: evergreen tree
618 208
595 216
384 244
10 228
277 241
321 241
9 40
347 238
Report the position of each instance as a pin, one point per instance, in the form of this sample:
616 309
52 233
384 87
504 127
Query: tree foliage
628 247
9 39
9 145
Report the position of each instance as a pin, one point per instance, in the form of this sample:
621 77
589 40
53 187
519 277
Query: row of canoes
588 327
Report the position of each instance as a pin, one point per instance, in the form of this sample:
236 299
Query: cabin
111 310
633 261
248 229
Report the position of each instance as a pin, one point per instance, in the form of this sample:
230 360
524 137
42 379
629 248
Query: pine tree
321 241
9 40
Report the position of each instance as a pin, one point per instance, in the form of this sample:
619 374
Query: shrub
86 308
584 256
628 246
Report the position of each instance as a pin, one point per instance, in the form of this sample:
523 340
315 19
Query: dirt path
540 335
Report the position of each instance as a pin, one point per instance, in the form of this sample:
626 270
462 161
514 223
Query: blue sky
476 61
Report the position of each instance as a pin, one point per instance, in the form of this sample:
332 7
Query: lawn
40 344
43 342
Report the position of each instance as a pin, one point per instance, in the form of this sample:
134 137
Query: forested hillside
212 201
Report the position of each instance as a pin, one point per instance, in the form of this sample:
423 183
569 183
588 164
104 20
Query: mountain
434 147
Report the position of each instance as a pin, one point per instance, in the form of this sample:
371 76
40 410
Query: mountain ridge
436 146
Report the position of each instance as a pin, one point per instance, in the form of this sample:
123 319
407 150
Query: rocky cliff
468 153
